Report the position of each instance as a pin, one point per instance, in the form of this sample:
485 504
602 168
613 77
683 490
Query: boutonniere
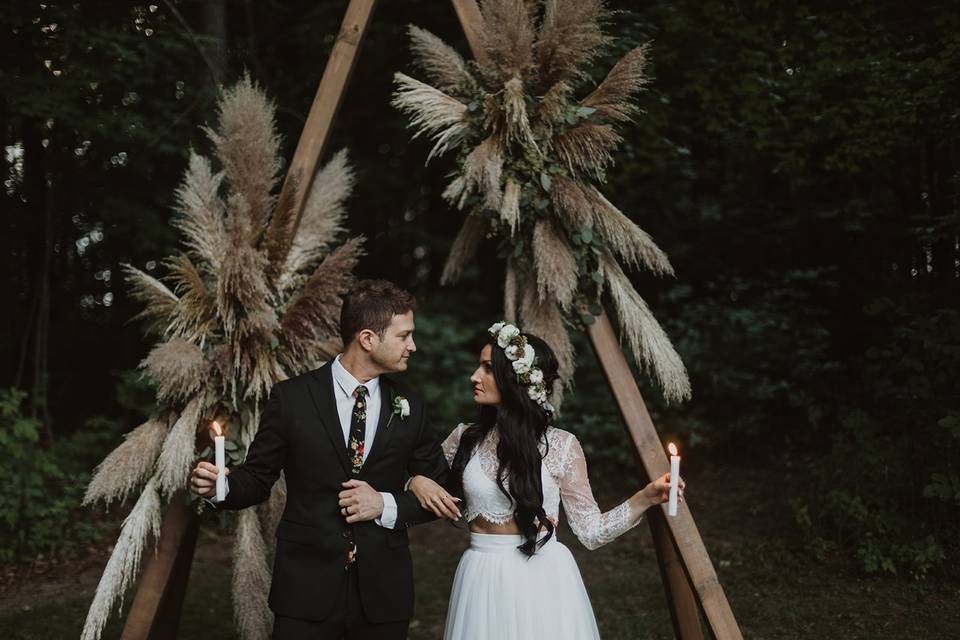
401 407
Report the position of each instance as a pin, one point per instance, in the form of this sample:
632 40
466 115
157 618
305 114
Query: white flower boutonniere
401 407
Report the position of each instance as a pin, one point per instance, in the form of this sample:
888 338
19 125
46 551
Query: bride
513 468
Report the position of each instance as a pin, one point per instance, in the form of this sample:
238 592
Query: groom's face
392 351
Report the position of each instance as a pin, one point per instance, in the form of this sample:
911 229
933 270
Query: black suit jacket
300 434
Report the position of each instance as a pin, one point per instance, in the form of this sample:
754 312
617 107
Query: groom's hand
360 502
203 479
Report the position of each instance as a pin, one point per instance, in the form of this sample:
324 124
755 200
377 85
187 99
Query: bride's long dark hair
522 426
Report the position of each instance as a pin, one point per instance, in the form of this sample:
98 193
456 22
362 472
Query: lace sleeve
593 528
452 442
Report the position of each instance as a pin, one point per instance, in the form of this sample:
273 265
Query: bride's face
485 389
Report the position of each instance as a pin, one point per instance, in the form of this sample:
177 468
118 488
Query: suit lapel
321 390
384 427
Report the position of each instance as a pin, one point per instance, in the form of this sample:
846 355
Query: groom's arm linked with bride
345 437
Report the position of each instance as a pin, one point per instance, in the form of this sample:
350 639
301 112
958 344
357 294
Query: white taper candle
220 461
674 480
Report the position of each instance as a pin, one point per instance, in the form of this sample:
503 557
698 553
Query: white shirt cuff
388 519
213 501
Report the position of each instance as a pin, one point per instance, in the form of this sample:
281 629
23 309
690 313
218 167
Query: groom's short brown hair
371 304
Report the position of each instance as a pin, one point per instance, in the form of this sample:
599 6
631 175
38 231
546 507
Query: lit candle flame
672 448
217 429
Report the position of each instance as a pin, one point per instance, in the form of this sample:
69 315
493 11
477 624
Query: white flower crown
522 356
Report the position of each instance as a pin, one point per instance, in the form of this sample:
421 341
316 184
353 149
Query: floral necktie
358 426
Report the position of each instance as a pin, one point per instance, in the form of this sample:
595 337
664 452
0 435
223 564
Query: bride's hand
435 498
658 491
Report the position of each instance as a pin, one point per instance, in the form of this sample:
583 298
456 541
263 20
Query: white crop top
564 478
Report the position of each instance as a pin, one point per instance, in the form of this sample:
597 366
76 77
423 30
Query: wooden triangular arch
685 566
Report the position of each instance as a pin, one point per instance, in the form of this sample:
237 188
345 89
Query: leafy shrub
889 486
40 489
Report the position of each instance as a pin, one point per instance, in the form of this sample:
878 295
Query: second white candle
674 480
220 461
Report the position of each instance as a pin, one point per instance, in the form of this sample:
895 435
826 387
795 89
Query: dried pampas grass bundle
545 320
650 345
201 212
517 124
127 466
242 291
570 39
506 40
253 299
251 579
587 147
626 239
510 206
612 98
553 105
178 368
322 219
248 146
556 267
481 173
441 62
315 313
433 113
536 197
571 204
258 372
160 304
177 455
194 319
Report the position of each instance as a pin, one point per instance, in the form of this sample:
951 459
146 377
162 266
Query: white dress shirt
344 384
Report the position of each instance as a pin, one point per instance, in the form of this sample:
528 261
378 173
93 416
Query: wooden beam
326 102
470 21
644 435
155 613
680 599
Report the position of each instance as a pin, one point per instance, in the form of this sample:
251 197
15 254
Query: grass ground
776 591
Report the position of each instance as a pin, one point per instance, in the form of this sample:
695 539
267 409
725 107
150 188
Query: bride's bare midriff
482 525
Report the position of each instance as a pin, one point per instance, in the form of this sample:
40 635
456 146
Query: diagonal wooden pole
693 555
326 102
681 600
471 21
155 612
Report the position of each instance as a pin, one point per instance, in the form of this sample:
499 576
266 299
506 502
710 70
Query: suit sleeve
427 460
251 482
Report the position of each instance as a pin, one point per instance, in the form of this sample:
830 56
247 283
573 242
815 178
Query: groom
346 437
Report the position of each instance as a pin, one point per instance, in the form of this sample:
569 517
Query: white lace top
564 477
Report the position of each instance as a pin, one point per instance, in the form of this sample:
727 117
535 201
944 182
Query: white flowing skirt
500 594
